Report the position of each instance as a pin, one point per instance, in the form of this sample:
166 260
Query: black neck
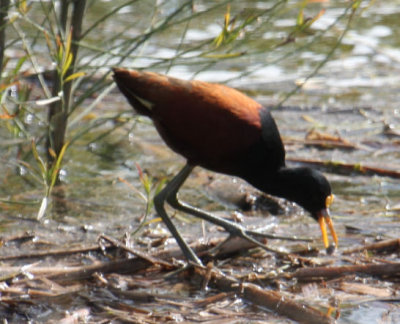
277 184
304 186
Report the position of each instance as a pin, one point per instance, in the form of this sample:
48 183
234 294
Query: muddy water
354 96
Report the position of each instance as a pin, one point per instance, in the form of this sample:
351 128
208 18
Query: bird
221 129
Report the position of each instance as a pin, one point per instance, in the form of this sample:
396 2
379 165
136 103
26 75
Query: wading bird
222 130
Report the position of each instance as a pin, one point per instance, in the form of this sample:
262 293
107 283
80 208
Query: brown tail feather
125 80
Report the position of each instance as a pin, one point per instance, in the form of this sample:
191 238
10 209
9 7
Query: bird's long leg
171 196
172 187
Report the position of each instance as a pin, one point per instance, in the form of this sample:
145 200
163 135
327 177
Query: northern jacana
223 130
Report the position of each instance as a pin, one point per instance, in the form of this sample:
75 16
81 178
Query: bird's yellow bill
323 220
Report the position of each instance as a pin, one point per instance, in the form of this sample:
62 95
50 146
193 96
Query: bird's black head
308 188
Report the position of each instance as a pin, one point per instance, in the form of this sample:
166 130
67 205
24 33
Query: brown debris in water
151 288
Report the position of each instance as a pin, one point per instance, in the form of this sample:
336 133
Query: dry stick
54 253
63 273
174 253
213 299
342 167
323 144
135 265
364 289
136 296
84 272
119 266
272 300
384 269
383 246
137 253
18 238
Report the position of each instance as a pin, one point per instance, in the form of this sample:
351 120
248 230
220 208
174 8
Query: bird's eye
329 200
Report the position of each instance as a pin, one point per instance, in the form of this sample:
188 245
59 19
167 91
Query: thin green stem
4 6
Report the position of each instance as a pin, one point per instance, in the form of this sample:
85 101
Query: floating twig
54 253
384 269
364 289
139 254
348 168
272 300
382 247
